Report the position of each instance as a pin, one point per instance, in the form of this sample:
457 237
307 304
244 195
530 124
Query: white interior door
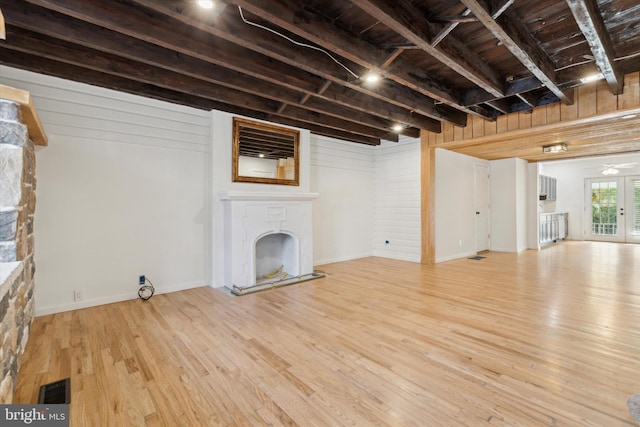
481 202
605 209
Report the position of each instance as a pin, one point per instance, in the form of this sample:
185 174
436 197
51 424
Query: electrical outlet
141 280
78 295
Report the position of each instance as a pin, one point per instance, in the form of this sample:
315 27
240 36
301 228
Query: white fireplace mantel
249 216
265 196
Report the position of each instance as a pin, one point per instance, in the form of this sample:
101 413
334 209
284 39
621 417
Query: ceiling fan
614 168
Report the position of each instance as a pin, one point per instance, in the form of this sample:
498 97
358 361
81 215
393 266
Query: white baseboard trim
509 250
456 256
340 259
42 311
408 258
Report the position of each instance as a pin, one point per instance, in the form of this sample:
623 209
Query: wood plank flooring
546 338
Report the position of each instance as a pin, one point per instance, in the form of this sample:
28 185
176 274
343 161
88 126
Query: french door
613 209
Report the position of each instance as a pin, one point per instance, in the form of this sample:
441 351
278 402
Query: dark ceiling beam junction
463 18
451 25
411 23
502 8
501 105
320 91
528 98
511 32
263 42
392 57
591 24
514 87
287 14
157 55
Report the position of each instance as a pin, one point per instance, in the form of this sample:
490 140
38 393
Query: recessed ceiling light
371 77
397 127
206 4
261 155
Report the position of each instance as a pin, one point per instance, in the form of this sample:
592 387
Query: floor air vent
58 392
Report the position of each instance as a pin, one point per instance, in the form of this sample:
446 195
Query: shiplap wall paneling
342 173
121 192
397 217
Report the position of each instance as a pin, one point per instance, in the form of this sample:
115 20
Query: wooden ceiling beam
591 24
501 105
409 21
285 14
109 65
528 99
260 101
451 25
392 99
515 87
46 66
264 78
511 32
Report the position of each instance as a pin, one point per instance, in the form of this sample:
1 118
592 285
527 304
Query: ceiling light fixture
397 127
610 171
371 77
206 4
554 148
591 78
261 155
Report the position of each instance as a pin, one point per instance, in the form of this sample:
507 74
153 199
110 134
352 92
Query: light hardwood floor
545 338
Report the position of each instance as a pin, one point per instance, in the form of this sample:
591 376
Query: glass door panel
605 209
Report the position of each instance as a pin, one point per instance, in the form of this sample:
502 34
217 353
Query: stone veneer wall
17 205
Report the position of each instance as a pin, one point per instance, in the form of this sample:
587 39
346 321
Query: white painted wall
522 204
121 191
455 207
396 212
343 174
533 206
571 175
509 205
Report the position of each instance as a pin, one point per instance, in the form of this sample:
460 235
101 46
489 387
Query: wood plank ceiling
304 63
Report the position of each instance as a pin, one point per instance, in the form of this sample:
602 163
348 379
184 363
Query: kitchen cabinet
553 227
547 188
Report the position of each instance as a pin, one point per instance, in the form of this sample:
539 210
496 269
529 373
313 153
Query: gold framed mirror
265 153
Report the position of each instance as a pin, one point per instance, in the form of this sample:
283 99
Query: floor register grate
58 392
